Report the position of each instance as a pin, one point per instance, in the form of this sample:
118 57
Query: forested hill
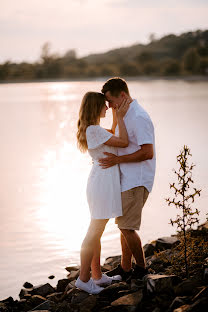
172 55
168 47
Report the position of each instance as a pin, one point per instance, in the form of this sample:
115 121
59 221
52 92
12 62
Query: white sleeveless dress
103 187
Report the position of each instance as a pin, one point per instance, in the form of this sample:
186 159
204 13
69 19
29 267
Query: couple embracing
120 180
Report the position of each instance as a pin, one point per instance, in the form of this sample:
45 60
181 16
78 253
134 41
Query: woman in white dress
103 187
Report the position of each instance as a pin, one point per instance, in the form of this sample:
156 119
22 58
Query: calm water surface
43 209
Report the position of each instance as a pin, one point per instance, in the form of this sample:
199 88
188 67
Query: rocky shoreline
158 291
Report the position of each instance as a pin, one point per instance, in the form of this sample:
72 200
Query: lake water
43 210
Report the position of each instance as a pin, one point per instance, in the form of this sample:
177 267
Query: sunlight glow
64 210
60 92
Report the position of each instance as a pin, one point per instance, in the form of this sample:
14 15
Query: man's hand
109 161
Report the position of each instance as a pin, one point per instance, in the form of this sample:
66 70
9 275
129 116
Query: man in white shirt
137 167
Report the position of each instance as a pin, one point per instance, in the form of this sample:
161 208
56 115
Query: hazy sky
90 26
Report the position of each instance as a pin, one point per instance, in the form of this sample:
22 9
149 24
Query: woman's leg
95 264
90 247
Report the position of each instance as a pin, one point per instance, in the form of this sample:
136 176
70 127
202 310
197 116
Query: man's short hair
115 85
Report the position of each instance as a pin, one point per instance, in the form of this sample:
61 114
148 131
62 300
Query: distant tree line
183 55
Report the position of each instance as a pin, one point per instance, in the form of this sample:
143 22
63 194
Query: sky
91 26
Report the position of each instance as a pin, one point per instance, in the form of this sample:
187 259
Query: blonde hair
89 114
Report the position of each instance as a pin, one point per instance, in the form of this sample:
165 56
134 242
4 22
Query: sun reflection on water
63 210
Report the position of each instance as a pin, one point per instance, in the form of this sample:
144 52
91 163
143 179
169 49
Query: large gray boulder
166 242
156 283
132 299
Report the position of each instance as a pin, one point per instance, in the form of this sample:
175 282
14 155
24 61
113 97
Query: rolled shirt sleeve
143 130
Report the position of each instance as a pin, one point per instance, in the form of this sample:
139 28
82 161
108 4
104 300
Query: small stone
183 308
43 290
72 268
21 301
113 261
28 285
62 284
106 267
69 287
22 293
73 275
51 277
47 305
72 284
130 299
149 249
55 296
68 293
205 275
206 262
23 305
8 300
27 296
203 226
35 300
155 263
177 302
166 242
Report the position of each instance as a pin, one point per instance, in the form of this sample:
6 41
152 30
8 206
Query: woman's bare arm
114 124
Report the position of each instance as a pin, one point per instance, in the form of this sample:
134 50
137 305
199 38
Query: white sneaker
107 280
89 286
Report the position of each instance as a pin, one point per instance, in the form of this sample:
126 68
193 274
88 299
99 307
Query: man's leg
131 245
133 201
126 258
134 244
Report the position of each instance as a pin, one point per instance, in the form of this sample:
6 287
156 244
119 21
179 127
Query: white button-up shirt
140 131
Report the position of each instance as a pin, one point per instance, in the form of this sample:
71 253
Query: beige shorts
133 201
